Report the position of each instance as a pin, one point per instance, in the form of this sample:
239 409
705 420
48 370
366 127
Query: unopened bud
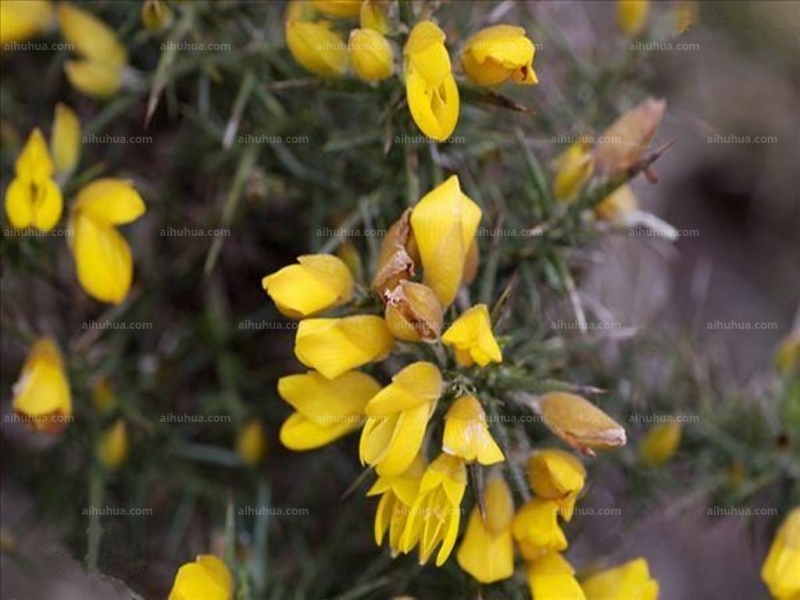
155 15
624 142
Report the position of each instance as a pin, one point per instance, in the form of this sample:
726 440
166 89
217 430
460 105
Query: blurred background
700 317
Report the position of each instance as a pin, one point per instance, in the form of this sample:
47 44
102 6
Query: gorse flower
660 443
487 550
574 167
65 142
536 528
251 442
551 577
780 570
314 44
326 409
207 578
42 393
431 88
632 16
557 475
397 418
102 256
444 223
435 515
472 338
397 493
630 581
498 54
23 19
466 433
33 199
371 55
319 282
335 346
103 58
112 449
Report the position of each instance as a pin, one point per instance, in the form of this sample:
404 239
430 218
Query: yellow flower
686 14
33 199
398 493
207 578
155 15
579 422
780 570
319 282
65 142
536 528
431 89
338 8
487 550
499 53
436 512
557 475
102 256
317 48
335 346
472 338
466 433
444 223
574 167
373 15
414 313
112 450
787 356
22 19
251 443
617 205
551 577
370 54
660 444
624 142
103 58
397 418
630 581
103 397
632 16
326 409
41 393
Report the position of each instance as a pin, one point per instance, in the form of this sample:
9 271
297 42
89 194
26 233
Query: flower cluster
493 56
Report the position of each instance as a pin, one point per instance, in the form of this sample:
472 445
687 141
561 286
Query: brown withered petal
414 313
394 261
624 142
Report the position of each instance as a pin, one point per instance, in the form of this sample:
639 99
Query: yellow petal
207 578
110 202
113 446
251 442
557 475
617 205
328 401
392 443
318 283
19 203
551 577
34 163
23 19
370 54
47 205
299 432
630 581
536 528
434 107
103 260
418 383
499 53
660 444
574 167
338 8
780 570
466 433
94 78
90 36
488 558
632 16
444 223
65 141
335 346
472 333
373 15
42 389
317 48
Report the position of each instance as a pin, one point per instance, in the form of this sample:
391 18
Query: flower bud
208 577
317 283
374 15
551 576
780 569
338 8
42 393
155 15
371 55
112 450
660 444
317 47
395 261
103 397
414 313
20 21
65 143
251 443
579 422
497 54
632 16
624 142
574 167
